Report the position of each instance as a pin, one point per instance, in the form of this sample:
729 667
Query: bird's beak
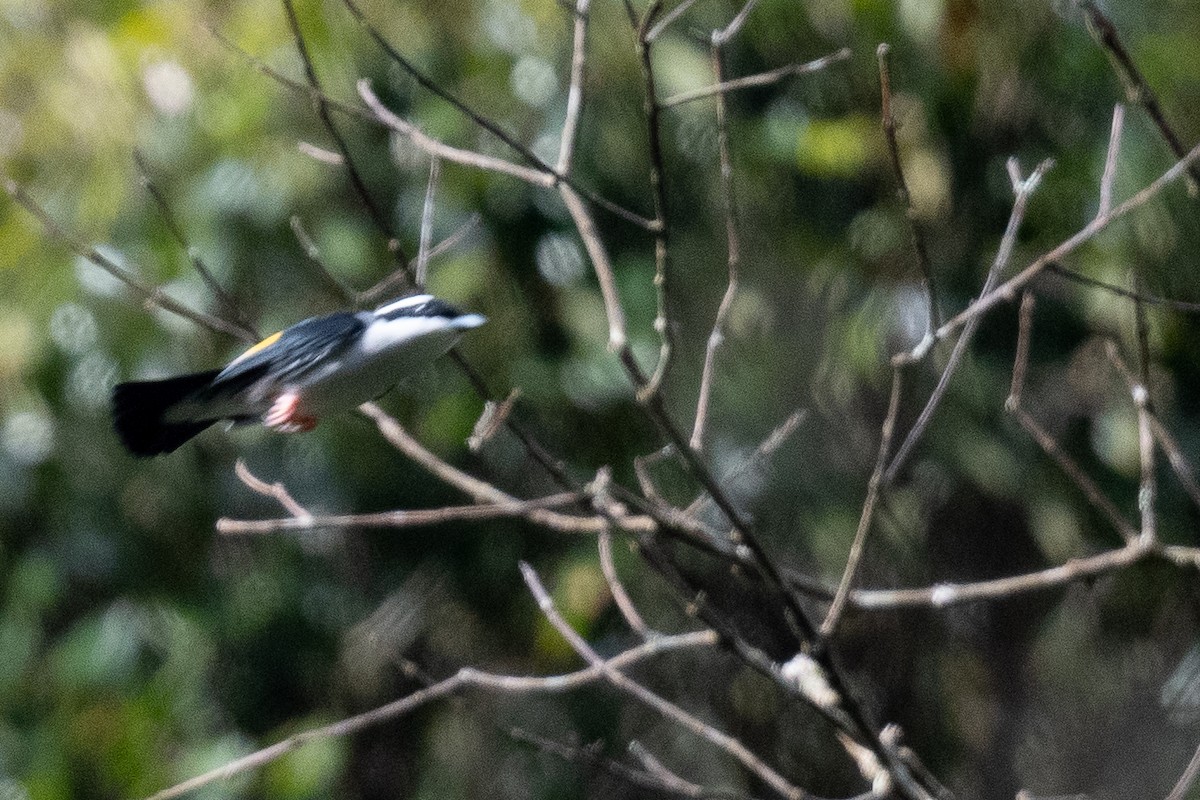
467 321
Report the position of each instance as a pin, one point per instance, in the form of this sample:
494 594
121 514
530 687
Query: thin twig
1090 489
655 767
1110 159
663 322
760 79
641 469
829 626
305 90
722 36
449 153
276 491
150 295
490 126
888 121
313 252
659 704
618 338
621 597
948 594
1136 88
1007 291
415 518
759 457
1174 453
486 493
1175 305
465 678
427 223
570 130
491 420
733 251
323 109
1148 487
668 19
388 286
594 758
1023 189
1021 360
320 154
1187 778
229 306
1014 406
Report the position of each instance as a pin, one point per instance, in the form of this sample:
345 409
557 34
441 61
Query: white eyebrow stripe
405 302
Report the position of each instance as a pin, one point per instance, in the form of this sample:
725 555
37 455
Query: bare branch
313 252
1023 189
733 248
322 107
618 338
151 295
566 147
1021 361
760 79
491 420
441 150
641 469
1179 462
320 154
643 695
463 679
232 310
1013 405
486 493
427 222
417 518
314 94
1136 88
663 323
1149 299
1110 159
829 626
387 287
669 779
668 19
888 121
722 37
758 458
1188 778
621 597
592 757
1007 291
948 594
1091 491
276 491
1148 487
490 126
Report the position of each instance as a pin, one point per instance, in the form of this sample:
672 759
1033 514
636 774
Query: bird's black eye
440 308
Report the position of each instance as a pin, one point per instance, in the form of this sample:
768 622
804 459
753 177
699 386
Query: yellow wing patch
263 345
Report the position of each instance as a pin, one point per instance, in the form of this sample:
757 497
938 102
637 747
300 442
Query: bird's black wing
292 353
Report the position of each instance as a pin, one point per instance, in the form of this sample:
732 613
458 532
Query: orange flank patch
263 345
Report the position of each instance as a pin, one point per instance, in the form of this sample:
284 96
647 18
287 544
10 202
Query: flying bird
294 378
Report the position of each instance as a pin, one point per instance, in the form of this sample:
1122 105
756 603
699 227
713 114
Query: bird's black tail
140 408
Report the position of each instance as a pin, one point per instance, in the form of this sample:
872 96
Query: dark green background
138 647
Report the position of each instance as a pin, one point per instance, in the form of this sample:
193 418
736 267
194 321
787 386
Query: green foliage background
138 647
